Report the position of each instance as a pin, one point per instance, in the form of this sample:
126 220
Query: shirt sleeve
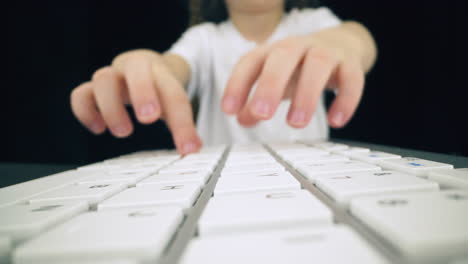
309 20
191 47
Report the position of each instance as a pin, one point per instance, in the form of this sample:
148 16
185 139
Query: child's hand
143 79
300 68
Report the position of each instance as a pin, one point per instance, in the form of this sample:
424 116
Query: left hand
299 68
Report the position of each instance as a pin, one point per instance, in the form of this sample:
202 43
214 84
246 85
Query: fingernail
262 108
189 148
230 104
120 131
147 109
338 119
298 117
95 127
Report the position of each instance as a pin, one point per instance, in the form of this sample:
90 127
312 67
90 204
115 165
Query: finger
177 111
276 73
84 108
242 79
143 96
245 119
315 73
109 91
350 80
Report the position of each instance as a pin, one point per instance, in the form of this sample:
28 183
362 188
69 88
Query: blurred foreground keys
423 226
337 245
132 234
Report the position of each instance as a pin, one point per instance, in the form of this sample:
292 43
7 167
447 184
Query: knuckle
105 72
322 55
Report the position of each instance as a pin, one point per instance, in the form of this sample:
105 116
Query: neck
256 26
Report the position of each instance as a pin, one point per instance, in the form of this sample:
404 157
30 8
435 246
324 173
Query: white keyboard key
179 194
133 234
336 245
453 178
247 175
343 188
23 191
330 146
373 156
236 185
416 166
423 226
178 169
92 193
351 151
131 178
253 168
5 248
263 211
314 171
22 221
179 177
329 158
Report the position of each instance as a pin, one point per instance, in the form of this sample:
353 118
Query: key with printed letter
255 182
416 166
316 170
22 221
263 211
342 188
423 226
178 194
92 193
131 234
331 245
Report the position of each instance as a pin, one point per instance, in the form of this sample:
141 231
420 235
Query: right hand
143 79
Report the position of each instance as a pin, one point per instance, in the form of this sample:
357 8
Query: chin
253 5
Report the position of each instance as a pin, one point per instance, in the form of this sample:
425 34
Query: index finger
177 111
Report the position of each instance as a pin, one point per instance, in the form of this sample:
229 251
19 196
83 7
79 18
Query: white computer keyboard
271 203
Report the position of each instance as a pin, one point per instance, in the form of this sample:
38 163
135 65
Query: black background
416 95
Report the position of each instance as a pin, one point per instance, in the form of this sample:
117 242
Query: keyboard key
330 146
249 175
343 188
253 168
22 192
335 245
317 170
242 184
132 234
328 158
352 150
22 221
178 177
178 194
131 178
416 166
5 248
90 192
423 226
373 156
453 178
263 211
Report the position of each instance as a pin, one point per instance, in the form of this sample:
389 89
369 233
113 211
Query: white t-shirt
212 51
